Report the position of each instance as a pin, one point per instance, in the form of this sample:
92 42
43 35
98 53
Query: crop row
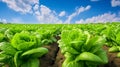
22 44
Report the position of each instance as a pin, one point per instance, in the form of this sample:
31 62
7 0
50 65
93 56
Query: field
60 45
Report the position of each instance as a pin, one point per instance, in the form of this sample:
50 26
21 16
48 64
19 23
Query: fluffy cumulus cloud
36 7
45 15
23 6
115 3
77 12
62 13
106 17
41 12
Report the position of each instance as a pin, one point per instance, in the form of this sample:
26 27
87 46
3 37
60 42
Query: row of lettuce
23 45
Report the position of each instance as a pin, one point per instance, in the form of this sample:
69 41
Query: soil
53 58
59 59
49 59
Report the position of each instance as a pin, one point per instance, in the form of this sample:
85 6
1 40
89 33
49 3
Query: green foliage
48 34
112 35
31 63
37 52
21 44
82 49
15 58
118 55
7 48
11 32
23 41
114 49
22 51
1 37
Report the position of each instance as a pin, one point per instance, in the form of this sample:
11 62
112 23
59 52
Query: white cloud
41 12
106 17
94 0
45 10
62 13
23 6
115 3
36 7
45 15
3 20
77 12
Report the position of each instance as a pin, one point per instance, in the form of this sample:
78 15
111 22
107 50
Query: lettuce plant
82 49
2 36
23 41
10 32
116 45
22 51
112 35
48 34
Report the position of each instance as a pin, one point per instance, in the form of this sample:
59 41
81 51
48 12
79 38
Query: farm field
60 45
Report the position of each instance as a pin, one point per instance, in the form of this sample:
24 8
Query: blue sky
59 11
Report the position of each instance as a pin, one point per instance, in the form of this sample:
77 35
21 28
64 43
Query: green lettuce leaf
39 51
24 41
7 48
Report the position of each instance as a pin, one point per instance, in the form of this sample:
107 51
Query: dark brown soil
59 59
49 59
53 58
